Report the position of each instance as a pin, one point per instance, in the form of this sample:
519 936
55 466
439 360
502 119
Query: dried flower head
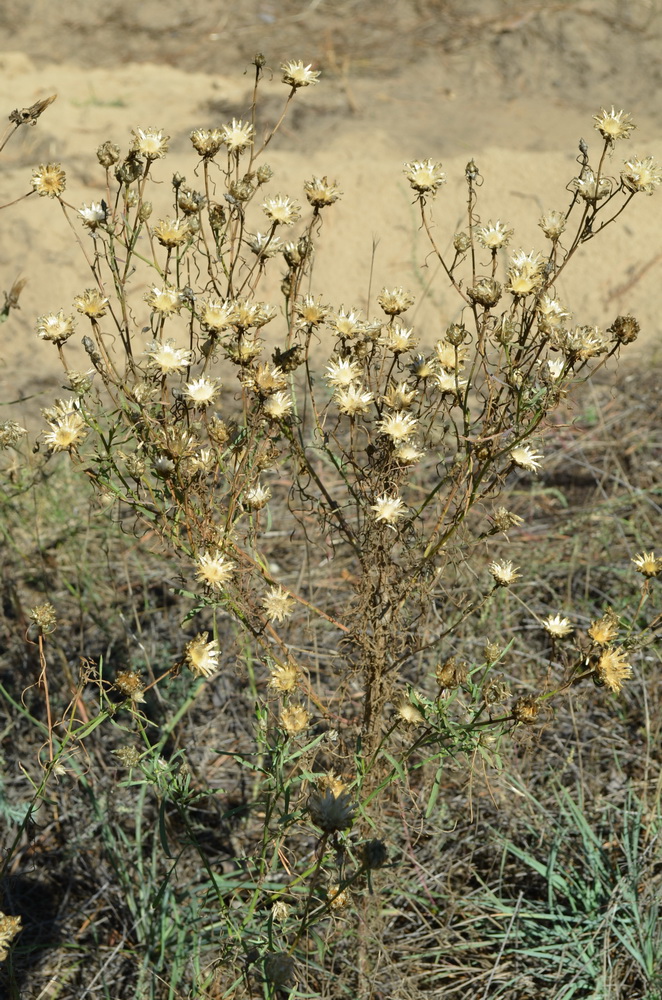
395 301
352 400
553 224
265 245
256 497
342 372
93 215
149 142
167 357
202 656
91 303
127 756
202 391
408 453
44 618
450 673
207 142
215 570
604 630
388 509
284 677
525 458
311 312
450 356
49 180
294 719
279 968
108 154
505 519
641 176
425 176
172 232
583 342
281 211
278 405
422 367
11 433
10 927
130 684
374 854
331 812
624 329
278 604
398 339
165 301
296 75
338 898
504 573
486 292
66 432
557 626
525 273
321 192
612 669
525 710
447 382
237 135
647 564
399 396
589 187
398 426
216 315
494 236
613 125
408 713
55 327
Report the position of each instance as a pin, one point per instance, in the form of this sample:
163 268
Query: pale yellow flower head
296 75
202 656
49 180
613 125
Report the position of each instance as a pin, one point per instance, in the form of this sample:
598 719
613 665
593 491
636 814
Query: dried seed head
127 756
486 292
624 329
504 519
238 135
281 211
66 432
172 232
279 968
294 719
150 143
588 187
331 812
461 242
525 710
374 854
451 674
389 509
9 928
129 683
207 142
108 154
11 433
338 898
44 618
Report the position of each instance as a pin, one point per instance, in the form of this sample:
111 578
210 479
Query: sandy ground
513 85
